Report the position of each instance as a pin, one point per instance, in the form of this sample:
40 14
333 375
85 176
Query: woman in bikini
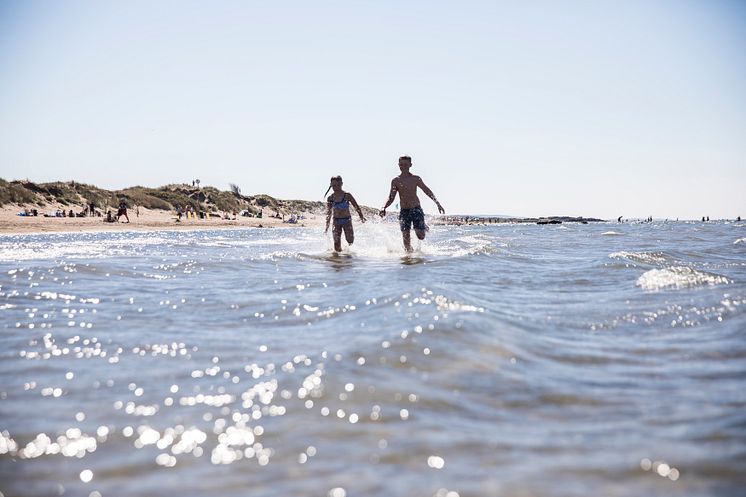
338 207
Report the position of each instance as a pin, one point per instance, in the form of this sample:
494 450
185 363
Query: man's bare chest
406 185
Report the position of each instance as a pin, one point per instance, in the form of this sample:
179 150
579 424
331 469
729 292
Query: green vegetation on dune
94 195
64 193
169 197
151 198
13 193
225 201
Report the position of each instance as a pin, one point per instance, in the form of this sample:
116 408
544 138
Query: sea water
506 360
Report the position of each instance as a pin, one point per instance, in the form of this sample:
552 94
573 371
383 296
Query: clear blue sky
594 108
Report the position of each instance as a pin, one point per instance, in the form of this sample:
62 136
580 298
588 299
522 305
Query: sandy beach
148 220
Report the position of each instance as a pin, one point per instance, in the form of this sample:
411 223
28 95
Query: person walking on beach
338 207
411 214
122 211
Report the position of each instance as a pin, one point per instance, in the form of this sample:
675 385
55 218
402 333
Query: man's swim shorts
412 217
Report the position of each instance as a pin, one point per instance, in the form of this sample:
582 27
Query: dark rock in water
548 221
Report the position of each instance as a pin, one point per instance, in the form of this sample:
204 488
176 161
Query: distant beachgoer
109 217
737 219
411 214
338 207
71 213
137 210
708 218
122 211
619 219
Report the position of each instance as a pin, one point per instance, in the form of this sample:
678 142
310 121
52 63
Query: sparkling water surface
508 360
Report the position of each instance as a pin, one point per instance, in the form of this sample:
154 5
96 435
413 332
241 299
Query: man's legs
405 235
405 224
417 218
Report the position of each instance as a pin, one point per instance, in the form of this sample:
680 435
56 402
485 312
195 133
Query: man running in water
411 214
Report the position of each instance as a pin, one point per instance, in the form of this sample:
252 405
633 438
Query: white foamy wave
611 233
382 241
93 245
740 240
249 238
460 247
678 277
641 257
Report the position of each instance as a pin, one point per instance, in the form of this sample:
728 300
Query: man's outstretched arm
392 196
430 194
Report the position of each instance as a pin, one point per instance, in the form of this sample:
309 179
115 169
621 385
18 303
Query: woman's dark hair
334 178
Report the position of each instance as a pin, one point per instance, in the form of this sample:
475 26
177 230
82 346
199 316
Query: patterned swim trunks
412 217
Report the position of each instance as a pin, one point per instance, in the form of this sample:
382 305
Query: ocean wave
641 257
740 240
611 233
81 246
678 277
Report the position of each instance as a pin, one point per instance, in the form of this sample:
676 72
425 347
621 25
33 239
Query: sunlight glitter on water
484 361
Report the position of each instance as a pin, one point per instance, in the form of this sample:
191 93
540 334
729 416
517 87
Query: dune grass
169 197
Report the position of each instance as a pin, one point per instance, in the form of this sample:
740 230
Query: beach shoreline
148 220
159 220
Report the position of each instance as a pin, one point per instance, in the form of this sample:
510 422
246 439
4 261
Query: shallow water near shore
510 360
